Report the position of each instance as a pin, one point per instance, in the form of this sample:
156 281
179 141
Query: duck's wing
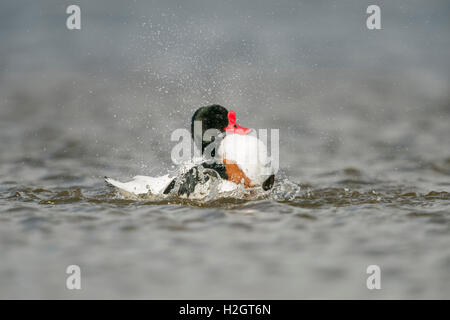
198 174
141 184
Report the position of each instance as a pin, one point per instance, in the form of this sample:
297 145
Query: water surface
364 153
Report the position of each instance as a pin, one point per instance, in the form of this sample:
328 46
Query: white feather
249 153
142 184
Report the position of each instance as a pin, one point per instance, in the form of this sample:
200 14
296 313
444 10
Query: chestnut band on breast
235 174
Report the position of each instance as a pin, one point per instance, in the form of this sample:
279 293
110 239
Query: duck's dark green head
211 117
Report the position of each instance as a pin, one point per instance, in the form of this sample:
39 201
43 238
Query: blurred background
356 108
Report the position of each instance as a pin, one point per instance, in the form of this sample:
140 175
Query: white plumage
142 184
249 153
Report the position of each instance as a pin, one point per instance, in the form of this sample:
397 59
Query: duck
236 157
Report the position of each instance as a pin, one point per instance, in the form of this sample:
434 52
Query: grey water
364 148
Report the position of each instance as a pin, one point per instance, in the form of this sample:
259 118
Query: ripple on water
286 193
